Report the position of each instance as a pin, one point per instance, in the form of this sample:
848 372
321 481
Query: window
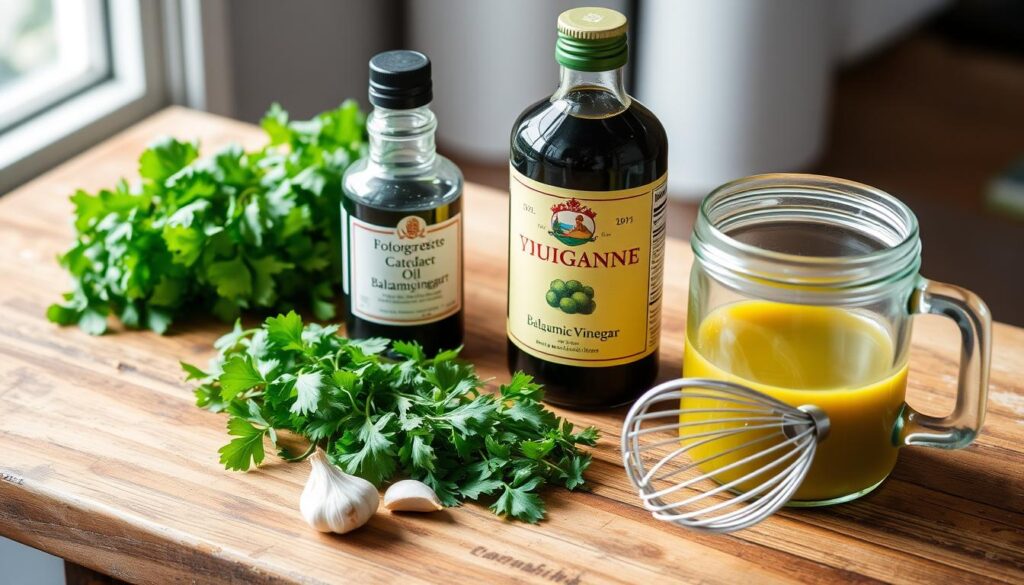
73 72
49 50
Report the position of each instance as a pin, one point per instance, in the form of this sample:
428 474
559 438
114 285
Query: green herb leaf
239 375
475 488
520 502
164 158
574 467
422 453
380 417
225 234
285 331
412 351
193 372
62 315
375 460
246 449
231 277
307 385
157 319
537 449
470 417
92 322
530 412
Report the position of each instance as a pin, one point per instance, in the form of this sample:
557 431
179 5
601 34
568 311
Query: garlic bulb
410 495
334 501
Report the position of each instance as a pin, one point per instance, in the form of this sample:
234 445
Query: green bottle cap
591 39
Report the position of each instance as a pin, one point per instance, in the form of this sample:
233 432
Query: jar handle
974 321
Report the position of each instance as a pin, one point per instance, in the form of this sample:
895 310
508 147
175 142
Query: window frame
88 58
135 88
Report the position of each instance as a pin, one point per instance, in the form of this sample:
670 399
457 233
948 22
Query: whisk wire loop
726 468
739 455
776 480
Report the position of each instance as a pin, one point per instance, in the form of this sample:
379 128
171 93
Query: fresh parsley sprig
239 230
383 409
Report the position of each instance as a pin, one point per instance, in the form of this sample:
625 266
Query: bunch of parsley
235 231
378 416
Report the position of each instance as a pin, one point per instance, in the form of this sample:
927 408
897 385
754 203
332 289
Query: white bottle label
408 274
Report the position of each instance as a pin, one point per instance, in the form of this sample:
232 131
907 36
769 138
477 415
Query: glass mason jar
804 287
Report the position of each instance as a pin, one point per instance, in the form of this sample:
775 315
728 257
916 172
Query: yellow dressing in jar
837 359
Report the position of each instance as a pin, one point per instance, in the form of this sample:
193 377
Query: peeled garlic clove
334 501
410 495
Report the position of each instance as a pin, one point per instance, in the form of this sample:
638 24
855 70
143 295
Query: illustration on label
412 227
567 248
407 274
571 296
572 223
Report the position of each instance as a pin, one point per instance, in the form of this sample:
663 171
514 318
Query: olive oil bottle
401 222
587 225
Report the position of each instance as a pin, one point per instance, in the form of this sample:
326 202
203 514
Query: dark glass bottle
401 217
593 139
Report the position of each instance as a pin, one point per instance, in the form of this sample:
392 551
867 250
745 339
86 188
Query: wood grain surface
105 461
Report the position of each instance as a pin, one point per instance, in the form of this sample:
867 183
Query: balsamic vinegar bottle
401 219
587 225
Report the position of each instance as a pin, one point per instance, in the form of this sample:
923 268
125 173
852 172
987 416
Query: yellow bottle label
585 272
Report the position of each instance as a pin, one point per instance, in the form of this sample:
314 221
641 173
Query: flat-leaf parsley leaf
236 231
380 414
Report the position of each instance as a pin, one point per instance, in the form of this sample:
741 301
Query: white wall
501 60
741 85
306 54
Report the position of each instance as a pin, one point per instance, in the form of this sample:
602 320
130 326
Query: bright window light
50 50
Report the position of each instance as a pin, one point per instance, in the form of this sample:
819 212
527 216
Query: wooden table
105 461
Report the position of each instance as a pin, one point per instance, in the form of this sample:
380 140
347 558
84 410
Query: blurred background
922 98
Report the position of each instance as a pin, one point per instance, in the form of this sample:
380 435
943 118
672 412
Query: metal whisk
723 458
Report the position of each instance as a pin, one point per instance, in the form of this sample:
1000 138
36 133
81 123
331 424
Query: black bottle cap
400 80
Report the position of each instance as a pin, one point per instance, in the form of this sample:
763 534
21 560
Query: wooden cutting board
105 461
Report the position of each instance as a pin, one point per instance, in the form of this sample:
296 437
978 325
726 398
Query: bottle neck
402 140
592 93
